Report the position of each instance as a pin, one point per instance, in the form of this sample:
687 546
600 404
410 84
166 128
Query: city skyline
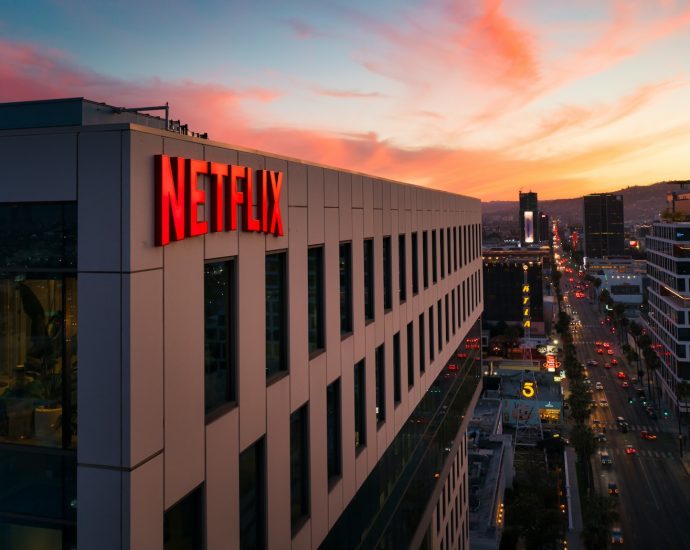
480 98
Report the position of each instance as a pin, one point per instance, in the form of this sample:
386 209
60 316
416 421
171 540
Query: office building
668 319
545 231
603 225
528 217
504 278
208 346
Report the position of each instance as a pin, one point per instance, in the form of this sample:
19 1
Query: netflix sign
178 197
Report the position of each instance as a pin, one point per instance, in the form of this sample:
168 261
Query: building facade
603 225
268 350
529 218
668 319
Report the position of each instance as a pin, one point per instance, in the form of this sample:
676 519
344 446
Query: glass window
183 523
439 315
447 321
219 334
455 248
276 313
360 406
315 298
454 318
299 468
397 374
38 324
443 254
333 430
459 306
345 288
415 264
425 258
431 334
387 274
460 248
380 385
434 258
422 351
450 249
253 497
368 280
410 355
402 267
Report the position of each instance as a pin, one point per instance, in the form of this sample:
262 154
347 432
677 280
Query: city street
654 499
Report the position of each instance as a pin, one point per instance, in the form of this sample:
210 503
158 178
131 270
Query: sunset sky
479 97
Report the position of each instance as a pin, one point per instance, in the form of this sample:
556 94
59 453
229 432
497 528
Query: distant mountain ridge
641 203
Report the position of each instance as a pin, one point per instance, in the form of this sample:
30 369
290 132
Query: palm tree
598 515
604 297
682 394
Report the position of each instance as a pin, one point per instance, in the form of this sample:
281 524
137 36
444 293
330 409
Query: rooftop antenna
165 108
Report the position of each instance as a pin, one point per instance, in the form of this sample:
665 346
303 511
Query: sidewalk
574 506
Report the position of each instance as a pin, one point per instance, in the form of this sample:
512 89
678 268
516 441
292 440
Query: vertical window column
380 372
397 368
431 334
299 468
387 274
422 350
450 250
220 370
410 355
345 267
415 264
402 267
360 406
439 315
425 258
252 496
443 254
315 308
434 258
333 431
368 280
276 314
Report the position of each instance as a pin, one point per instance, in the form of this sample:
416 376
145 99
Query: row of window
220 309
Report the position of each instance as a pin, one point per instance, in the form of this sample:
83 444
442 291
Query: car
607 365
592 363
613 488
634 379
606 345
625 384
610 352
600 351
614 361
616 535
603 403
620 374
598 343
600 437
630 450
605 458
599 386
647 435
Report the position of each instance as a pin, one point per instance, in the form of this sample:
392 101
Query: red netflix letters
178 197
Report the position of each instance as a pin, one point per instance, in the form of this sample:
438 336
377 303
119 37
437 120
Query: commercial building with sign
529 218
531 398
207 346
603 225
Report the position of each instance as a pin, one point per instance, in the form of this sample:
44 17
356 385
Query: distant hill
641 203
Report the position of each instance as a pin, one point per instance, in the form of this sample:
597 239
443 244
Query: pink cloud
347 94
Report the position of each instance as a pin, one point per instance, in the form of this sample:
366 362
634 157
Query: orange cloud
347 94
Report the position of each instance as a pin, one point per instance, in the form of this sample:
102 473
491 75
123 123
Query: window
425 258
345 288
431 334
410 355
464 300
466 241
276 314
299 468
387 274
380 366
402 267
443 254
450 249
459 307
455 248
439 315
368 280
252 497
219 334
333 430
183 523
360 406
447 321
434 257
315 317
454 319
422 351
38 324
460 248
415 264
397 374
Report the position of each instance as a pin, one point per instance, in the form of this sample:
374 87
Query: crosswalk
644 453
631 427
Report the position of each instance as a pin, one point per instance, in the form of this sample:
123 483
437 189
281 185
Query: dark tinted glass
387 274
380 385
434 257
38 235
219 341
410 355
431 333
360 404
425 258
422 350
183 523
276 313
345 288
315 298
368 279
415 264
252 497
402 267
443 254
397 374
299 468
333 438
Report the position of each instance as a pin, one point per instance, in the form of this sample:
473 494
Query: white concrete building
300 381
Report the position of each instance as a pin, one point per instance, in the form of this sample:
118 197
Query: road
654 500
